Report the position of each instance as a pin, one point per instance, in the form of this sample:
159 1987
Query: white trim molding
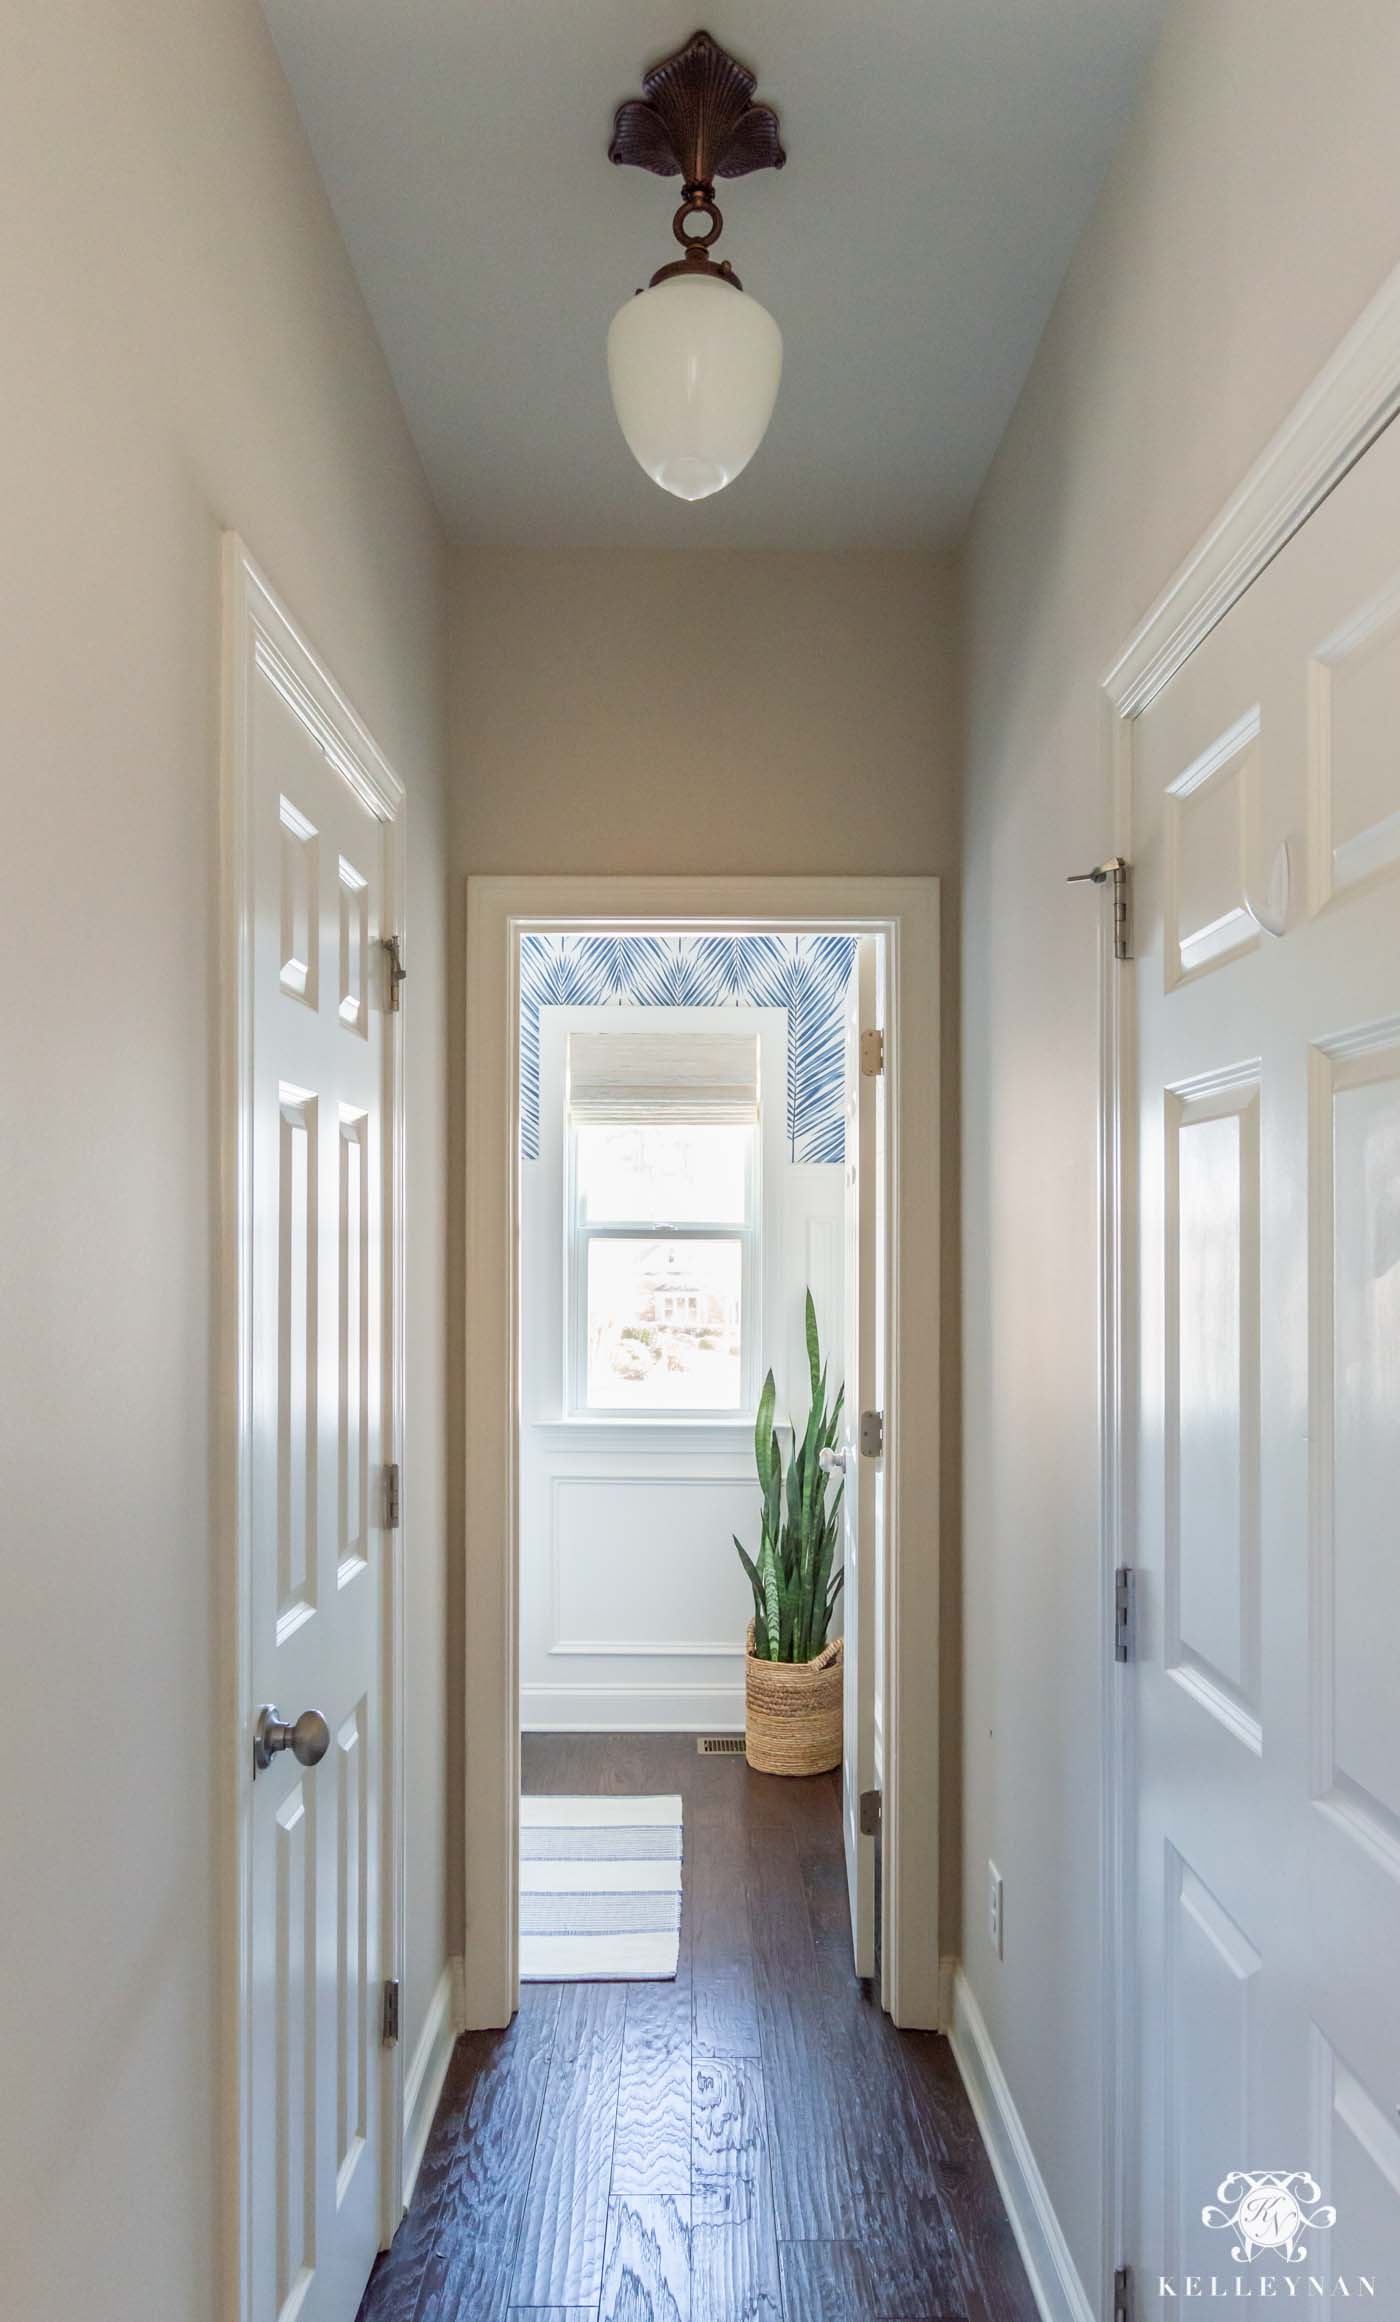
1352 400
1059 2293
604 1707
262 642
427 2071
904 915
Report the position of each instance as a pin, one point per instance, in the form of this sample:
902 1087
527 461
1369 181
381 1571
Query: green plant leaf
773 1492
787 1606
765 1442
793 1592
820 1602
767 1565
759 1623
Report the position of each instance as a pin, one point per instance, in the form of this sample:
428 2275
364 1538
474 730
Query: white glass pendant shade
694 368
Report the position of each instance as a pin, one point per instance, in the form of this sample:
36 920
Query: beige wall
1249 216
702 710
707 710
184 349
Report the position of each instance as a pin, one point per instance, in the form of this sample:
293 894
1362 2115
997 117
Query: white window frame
578 1237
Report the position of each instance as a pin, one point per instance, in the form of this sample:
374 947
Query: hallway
748 2142
751 2141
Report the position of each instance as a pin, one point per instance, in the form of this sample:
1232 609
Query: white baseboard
632 1708
1059 2292
427 2070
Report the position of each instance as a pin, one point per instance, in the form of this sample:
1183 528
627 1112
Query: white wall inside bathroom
633 1602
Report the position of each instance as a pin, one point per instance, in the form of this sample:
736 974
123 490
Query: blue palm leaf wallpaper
806 974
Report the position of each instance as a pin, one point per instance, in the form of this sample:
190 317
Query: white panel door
1267 1822
318 1163
858 1503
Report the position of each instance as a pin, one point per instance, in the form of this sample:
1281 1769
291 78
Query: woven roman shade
695 1077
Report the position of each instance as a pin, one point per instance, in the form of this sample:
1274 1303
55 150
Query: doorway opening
619 1341
701 1306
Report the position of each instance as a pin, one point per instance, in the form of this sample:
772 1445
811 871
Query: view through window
665 1240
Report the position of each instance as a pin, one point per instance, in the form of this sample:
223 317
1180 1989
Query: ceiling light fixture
693 361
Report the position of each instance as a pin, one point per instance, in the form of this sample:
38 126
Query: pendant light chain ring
699 202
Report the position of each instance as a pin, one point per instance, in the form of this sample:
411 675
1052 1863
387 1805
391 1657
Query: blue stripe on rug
608 1842
599 1914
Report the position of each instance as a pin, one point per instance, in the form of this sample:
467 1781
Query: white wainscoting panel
634 1604
643 1564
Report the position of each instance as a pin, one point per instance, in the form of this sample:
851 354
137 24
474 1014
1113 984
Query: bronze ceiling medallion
697 121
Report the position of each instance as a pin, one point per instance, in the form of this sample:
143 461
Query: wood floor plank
730 2178
467 2281
467 2274
563 2230
393 2288
916 2267
734 2241
646 2275
826 2281
734 2274
889 2135
813 2185
810 2136
651 2149
488 2177
721 1957
987 2265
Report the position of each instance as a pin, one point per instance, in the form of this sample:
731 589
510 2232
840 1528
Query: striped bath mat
600 1889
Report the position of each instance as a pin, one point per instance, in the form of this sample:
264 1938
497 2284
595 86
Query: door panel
319 1058
859 1545
1267 1803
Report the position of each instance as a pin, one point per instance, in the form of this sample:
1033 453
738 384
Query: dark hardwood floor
754 2142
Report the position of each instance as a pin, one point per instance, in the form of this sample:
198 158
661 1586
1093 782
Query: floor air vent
720 1745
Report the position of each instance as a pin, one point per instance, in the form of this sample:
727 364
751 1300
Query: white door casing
313 830
863 1471
1264 1803
905 913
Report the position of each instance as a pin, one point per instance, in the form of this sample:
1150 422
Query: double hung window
664 1194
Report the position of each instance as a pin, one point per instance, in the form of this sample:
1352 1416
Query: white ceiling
943 156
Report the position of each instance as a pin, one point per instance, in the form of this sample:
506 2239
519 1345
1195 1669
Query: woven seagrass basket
793 1712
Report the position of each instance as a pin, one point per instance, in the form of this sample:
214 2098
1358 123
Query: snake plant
794 1588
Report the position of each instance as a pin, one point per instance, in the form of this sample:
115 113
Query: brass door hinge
872 1054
